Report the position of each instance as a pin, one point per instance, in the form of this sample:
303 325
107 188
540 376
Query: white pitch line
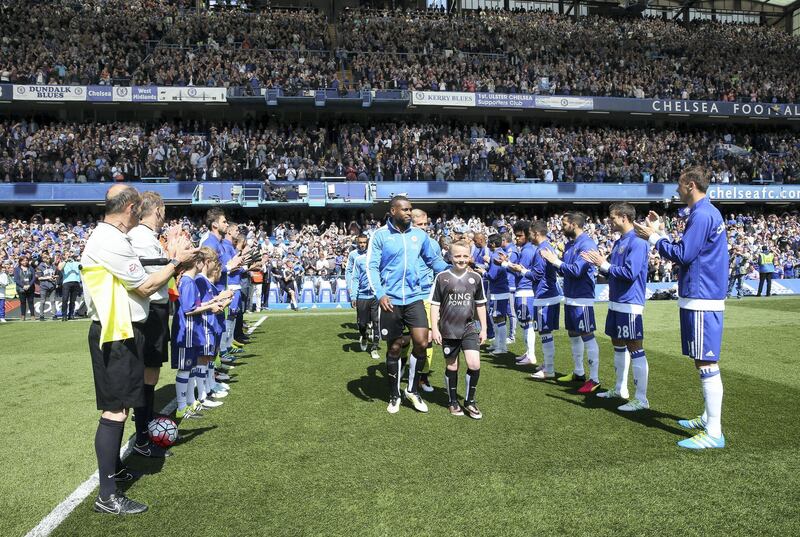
49 523
258 323
62 510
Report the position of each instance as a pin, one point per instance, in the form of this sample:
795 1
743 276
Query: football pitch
304 446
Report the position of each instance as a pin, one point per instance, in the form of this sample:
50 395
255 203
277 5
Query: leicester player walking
456 298
393 269
627 278
366 306
579 283
702 254
361 249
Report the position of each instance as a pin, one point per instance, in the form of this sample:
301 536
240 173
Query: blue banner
6 92
100 93
505 100
144 94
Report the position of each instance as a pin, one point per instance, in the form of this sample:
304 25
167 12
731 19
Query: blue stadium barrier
779 288
307 292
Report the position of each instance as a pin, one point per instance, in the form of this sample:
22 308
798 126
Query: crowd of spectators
544 52
187 151
317 250
168 42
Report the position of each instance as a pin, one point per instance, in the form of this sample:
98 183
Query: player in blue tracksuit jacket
366 305
702 255
580 277
361 248
393 268
499 294
547 298
626 269
523 289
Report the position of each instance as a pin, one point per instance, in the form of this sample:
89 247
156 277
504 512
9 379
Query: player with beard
579 283
393 268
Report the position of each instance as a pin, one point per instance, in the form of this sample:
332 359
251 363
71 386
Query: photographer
71 278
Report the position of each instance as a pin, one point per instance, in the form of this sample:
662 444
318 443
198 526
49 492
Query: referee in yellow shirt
118 363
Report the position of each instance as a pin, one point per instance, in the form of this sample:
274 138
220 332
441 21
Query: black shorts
156 335
451 347
366 310
118 369
394 322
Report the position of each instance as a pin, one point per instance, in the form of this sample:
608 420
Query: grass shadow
371 386
648 418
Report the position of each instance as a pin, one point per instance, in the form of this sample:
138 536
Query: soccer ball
163 431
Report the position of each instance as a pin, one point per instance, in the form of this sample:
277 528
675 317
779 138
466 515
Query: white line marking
62 510
258 323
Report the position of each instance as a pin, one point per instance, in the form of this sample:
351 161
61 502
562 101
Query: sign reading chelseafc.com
135 94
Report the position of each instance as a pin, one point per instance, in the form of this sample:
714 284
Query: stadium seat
307 292
325 295
342 294
273 294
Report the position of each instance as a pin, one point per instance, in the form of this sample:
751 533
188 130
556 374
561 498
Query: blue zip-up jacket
351 263
523 285
393 263
627 274
543 275
425 272
702 254
222 253
359 284
511 252
580 276
497 277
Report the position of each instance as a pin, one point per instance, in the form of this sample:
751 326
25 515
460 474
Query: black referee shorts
118 369
156 335
393 322
366 310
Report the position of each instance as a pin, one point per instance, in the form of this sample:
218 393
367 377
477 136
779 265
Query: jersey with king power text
457 297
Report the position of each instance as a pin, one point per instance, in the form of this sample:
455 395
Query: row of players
392 284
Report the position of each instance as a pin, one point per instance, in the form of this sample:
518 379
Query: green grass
304 446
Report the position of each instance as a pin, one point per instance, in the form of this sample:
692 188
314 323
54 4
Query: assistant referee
118 366
144 239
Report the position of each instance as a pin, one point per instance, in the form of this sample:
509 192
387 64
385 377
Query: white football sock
530 344
549 353
210 378
640 373
711 381
577 354
190 388
622 360
181 382
202 390
592 356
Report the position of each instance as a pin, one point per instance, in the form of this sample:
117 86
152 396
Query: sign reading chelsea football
49 93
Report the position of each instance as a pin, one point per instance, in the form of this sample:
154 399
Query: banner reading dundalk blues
49 93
